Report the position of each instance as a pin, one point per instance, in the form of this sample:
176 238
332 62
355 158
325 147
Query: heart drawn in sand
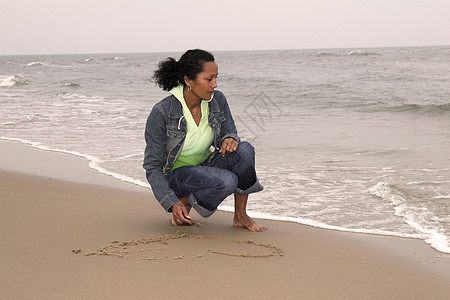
183 245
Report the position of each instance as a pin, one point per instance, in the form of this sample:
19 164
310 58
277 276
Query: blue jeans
209 183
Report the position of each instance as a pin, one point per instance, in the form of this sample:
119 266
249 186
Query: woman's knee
228 183
223 186
246 147
245 150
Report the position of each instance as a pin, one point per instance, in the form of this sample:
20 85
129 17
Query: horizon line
232 50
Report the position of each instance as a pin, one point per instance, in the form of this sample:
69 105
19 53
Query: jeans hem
257 187
200 209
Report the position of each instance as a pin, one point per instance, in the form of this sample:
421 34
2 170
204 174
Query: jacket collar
213 105
176 109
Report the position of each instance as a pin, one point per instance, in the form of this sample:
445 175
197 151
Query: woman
194 157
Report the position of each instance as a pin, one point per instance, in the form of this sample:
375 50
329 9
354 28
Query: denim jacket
165 133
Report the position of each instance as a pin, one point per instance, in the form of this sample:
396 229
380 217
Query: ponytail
170 73
166 74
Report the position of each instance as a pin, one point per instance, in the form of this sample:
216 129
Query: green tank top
197 144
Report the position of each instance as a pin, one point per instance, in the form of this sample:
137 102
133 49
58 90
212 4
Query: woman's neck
191 99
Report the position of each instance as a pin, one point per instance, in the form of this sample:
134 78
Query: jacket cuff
168 201
231 135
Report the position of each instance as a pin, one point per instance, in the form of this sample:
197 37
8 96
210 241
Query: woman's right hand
180 214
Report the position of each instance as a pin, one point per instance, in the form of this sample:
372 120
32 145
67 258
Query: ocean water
348 139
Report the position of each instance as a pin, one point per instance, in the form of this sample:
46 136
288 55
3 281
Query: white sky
116 26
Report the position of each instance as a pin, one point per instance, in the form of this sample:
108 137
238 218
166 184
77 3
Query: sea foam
93 162
433 237
13 80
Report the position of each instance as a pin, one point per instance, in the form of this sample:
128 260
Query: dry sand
62 239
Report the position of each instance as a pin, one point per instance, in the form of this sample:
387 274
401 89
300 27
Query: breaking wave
436 239
71 84
13 80
38 63
361 53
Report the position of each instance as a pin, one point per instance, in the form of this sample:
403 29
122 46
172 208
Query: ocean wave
139 154
317 224
71 84
45 64
427 182
14 80
363 105
38 63
88 60
68 95
113 58
359 52
336 53
7 123
75 96
428 108
442 197
424 109
325 54
9 63
434 237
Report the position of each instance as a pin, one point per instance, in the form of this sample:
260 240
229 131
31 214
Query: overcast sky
117 26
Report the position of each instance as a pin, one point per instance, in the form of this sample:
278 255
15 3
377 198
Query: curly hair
170 73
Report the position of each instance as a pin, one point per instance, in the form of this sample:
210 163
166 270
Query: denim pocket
175 133
174 136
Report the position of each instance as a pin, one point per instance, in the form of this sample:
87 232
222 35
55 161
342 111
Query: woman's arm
155 158
228 128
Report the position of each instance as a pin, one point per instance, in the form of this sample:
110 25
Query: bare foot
241 219
247 222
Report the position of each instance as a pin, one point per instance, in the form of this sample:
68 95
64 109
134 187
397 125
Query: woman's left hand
229 145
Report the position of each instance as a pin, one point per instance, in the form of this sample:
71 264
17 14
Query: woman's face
205 83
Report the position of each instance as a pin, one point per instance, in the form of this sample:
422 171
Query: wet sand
88 236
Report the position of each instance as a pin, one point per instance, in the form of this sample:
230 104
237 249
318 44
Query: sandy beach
68 232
